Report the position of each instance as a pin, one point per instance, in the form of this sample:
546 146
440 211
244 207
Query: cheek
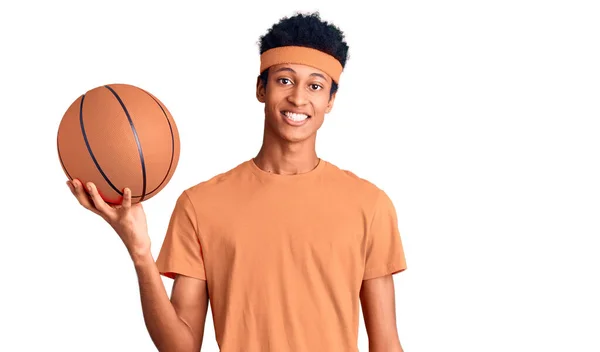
273 99
321 104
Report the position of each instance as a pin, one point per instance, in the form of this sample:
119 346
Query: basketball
119 136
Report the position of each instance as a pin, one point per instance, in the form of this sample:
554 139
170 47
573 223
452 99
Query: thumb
126 203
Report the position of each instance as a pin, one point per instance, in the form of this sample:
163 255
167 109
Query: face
296 99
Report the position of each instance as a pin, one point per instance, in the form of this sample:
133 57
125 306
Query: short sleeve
181 252
384 249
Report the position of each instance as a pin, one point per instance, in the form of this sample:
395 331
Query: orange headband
302 56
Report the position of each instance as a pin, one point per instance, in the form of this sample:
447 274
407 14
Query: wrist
141 258
138 250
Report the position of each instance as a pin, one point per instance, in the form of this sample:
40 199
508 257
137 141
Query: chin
294 137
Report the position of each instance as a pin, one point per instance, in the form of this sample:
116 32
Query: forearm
385 345
379 348
166 329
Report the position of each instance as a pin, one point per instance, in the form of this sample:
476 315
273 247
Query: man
286 245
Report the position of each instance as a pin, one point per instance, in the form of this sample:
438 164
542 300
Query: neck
287 158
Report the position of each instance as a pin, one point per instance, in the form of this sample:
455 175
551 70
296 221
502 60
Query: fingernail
89 187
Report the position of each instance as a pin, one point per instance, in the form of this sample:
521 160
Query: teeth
295 117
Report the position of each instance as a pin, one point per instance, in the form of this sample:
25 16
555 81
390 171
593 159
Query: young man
286 245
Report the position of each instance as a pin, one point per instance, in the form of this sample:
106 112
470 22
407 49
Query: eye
284 81
315 86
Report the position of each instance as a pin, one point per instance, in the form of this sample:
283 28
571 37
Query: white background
480 119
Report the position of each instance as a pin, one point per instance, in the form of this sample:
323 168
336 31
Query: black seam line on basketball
89 148
61 161
172 143
137 141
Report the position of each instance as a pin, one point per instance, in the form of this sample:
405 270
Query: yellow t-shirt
284 256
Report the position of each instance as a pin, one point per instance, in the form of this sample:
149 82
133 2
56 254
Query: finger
126 203
82 196
98 202
70 185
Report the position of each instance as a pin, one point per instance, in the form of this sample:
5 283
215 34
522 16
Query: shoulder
376 204
349 181
217 186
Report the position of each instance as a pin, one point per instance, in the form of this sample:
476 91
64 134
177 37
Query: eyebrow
291 70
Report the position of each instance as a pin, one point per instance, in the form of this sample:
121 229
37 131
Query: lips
295 118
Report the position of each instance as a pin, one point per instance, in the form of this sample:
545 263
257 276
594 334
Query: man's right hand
129 221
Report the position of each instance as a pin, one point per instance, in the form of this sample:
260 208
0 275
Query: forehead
300 70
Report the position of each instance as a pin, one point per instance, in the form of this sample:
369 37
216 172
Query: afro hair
306 30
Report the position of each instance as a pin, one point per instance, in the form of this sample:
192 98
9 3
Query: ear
330 103
260 90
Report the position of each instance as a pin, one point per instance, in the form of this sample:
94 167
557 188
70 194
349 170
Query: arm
384 257
178 324
378 302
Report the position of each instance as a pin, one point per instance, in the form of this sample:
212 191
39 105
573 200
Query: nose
298 96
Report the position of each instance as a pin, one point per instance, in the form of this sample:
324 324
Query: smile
295 119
